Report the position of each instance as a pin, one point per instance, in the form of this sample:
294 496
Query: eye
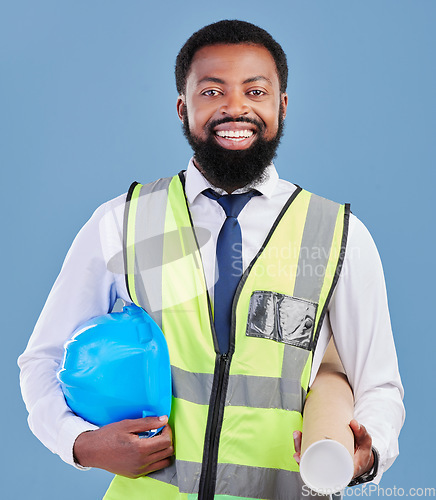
256 92
211 93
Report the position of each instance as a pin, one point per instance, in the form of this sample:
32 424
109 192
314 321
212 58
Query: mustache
260 125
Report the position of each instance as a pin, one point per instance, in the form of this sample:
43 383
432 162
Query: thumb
136 426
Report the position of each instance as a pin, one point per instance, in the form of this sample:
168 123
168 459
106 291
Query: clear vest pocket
281 318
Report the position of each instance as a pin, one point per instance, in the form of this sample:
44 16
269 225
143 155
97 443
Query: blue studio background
87 105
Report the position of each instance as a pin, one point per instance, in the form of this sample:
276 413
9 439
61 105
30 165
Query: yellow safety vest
232 415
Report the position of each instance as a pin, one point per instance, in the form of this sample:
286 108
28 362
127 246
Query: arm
85 288
359 319
73 299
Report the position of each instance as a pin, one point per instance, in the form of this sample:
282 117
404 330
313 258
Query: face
232 111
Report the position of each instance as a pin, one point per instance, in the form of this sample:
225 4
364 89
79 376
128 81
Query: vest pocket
282 318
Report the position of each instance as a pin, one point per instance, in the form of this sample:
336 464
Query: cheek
271 120
198 117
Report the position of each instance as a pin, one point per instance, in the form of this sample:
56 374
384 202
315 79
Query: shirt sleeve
360 323
85 288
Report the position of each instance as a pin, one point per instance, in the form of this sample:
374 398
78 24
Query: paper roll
327 447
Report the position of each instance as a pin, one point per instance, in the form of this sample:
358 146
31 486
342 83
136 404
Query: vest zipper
210 460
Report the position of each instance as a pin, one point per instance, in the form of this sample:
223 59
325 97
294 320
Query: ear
181 103
284 102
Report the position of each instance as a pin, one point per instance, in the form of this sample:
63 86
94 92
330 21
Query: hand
363 457
117 447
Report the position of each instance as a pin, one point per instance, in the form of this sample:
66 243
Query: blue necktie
229 262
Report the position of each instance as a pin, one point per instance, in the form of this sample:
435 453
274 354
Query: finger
362 439
165 435
297 441
138 425
356 428
161 464
160 455
156 443
157 460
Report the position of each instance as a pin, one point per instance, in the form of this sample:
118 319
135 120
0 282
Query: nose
234 104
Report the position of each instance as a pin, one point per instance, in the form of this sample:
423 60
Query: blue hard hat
117 366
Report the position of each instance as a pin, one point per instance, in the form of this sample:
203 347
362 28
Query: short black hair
229 32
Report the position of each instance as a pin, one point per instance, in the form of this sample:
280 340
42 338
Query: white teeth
235 134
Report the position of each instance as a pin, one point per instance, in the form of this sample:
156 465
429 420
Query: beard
226 168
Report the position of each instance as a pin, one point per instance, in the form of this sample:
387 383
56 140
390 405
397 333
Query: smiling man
247 311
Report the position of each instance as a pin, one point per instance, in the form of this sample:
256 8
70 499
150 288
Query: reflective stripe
334 266
263 392
294 361
236 480
183 474
243 390
258 482
147 247
155 192
315 247
193 387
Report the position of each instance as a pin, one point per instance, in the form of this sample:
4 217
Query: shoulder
106 219
111 209
113 204
359 236
362 260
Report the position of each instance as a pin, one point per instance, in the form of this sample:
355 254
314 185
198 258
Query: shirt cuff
69 432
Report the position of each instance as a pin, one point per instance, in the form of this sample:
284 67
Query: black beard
232 169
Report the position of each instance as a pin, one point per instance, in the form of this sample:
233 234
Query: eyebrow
211 79
257 78
253 79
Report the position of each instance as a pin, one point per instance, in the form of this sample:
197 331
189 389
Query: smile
234 135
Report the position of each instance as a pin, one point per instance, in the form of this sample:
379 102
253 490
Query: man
243 351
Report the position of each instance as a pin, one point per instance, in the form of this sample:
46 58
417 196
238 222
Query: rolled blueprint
327 447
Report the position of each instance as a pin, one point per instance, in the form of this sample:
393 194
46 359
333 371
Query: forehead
233 63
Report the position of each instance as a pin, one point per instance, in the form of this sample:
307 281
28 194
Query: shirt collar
196 183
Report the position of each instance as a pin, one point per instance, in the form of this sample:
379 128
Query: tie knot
232 204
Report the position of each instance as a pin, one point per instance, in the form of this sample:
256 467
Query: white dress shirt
358 314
